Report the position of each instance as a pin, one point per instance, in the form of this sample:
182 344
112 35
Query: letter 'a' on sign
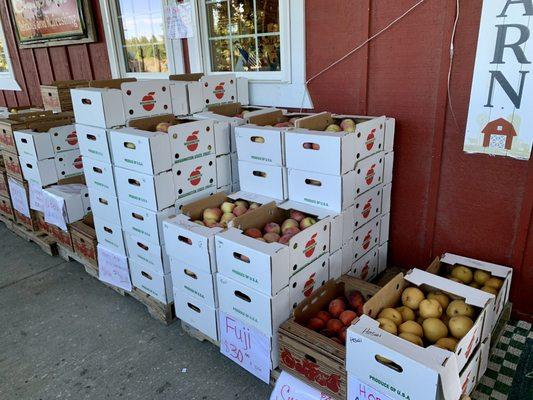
500 116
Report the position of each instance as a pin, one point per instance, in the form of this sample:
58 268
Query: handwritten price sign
289 388
113 269
18 197
357 390
36 198
246 346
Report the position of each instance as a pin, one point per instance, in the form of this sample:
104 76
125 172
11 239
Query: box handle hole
313 182
146 275
134 182
259 174
241 257
242 296
185 240
190 273
86 101
137 216
130 145
194 308
388 363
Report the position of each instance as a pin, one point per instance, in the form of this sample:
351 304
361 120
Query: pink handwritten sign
246 346
290 388
358 390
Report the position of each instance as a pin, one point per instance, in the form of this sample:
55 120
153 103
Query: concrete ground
63 335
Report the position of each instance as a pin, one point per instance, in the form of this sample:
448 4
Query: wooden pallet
196 334
46 242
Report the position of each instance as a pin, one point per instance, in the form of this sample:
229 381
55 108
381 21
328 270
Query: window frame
7 78
284 33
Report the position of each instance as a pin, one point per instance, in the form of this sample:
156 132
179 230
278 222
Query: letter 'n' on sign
500 116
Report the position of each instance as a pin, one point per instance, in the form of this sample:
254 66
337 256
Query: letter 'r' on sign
502 86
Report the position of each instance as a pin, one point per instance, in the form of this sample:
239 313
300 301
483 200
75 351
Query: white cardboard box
192 139
261 144
263 312
194 281
384 228
151 282
366 237
69 163
194 176
98 107
234 169
100 176
369 173
110 236
388 169
146 224
146 98
72 194
224 178
141 151
307 280
105 206
329 153
197 196
196 313
37 145
386 201
368 206
154 192
41 173
94 143
382 257
213 89
147 254
332 192
366 267
390 128
335 264
267 267
264 179
341 228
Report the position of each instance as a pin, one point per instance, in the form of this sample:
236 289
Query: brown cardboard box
84 239
43 225
316 359
12 165
63 238
4 189
31 223
6 209
56 97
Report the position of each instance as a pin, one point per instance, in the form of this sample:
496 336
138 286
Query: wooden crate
6 208
56 97
16 122
316 359
84 239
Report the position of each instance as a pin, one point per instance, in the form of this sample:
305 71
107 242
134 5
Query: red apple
213 213
355 299
334 325
297 215
239 210
271 237
307 222
316 324
254 233
272 227
291 231
285 239
347 317
342 335
289 223
324 316
336 307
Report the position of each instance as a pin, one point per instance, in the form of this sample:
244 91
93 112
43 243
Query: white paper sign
36 198
246 346
113 269
55 210
357 390
289 388
19 197
500 117
179 21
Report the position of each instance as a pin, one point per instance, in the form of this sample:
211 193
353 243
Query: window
7 78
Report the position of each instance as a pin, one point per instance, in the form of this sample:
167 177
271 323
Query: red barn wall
443 199
41 66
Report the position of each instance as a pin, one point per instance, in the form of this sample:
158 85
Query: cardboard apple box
234 169
196 313
386 199
147 254
369 132
6 209
94 143
369 173
142 151
146 98
444 264
45 138
105 206
190 139
100 176
428 371
384 228
73 199
366 267
110 236
309 148
265 179
267 267
154 192
224 178
262 311
261 141
366 237
341 228
69 164
12 165
41 173
194 176
390 128
332 192
98 107
144 223
306 281
388 167
4 190
192 243
194 281
368 206
34 144
151 282
335 264
383 257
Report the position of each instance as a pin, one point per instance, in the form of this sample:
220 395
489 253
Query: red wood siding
35 67
443 199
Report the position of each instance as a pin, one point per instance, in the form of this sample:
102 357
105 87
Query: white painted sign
19 197
500 117
55 210
36 198
289 388
113 269
246 346
358 390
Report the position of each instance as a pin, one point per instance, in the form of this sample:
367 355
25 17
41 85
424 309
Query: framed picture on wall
44 23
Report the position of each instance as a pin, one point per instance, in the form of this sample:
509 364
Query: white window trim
7 78
115 52
291 90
